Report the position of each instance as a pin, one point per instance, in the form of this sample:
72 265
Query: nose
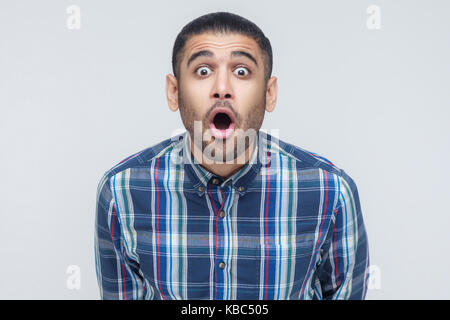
222 87
226 96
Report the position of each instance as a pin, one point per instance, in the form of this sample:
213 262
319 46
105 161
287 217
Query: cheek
194 108
248 97
248 90
197 94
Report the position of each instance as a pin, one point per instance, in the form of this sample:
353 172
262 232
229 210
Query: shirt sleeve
343 269
118 275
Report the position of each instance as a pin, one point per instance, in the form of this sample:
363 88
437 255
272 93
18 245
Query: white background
73 103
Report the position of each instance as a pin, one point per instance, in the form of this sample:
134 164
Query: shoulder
141 159
314 168
306 160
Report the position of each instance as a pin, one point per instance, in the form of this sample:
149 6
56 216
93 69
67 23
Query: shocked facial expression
221 87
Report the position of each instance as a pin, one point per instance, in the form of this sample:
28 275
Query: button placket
220 214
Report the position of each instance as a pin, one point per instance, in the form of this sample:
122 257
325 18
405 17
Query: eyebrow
211 54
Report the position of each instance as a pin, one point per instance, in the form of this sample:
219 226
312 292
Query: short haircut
222 22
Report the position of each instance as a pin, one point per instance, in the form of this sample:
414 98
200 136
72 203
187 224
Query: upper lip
225 110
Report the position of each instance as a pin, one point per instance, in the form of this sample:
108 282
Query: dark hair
222 22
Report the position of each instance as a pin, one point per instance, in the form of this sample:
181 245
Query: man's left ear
271 94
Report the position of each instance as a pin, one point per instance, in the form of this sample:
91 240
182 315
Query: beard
245 131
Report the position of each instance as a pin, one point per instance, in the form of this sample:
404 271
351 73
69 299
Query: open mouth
221 123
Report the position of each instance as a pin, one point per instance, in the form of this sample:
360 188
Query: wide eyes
239 71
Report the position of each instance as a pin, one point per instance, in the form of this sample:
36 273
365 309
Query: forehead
221 44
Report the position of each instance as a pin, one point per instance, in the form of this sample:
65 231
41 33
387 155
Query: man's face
224 92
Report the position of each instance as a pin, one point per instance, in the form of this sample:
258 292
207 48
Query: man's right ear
172 92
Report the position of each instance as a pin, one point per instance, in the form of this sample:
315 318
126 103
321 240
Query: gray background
73 103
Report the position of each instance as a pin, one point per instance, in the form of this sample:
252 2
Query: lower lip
221 134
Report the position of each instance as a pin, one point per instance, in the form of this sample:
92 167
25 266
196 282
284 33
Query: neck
224 170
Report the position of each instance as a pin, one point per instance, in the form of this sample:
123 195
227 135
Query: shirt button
200 189
222 265
215 181
222 214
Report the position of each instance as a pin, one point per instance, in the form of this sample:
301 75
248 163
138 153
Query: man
224 210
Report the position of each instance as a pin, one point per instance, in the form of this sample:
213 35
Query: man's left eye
242 73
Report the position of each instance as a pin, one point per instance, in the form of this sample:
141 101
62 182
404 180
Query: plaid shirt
287 225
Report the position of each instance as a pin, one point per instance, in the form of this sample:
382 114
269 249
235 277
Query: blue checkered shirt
287 225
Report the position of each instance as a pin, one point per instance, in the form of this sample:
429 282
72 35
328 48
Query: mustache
225 104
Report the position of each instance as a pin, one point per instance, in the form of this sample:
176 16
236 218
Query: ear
271 94
172 92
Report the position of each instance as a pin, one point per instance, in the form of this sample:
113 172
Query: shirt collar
240 180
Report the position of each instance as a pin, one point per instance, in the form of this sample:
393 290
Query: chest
238 250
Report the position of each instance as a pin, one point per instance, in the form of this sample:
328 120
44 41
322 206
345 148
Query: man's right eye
202 71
